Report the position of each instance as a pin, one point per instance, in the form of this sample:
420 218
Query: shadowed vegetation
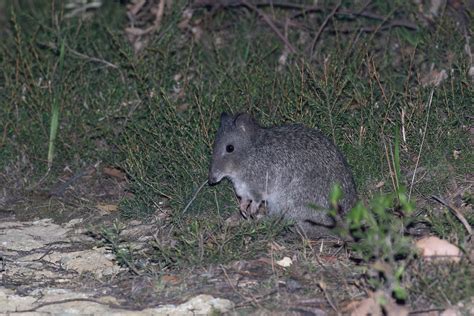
154 115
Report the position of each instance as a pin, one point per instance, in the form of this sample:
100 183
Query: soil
50 263
53 260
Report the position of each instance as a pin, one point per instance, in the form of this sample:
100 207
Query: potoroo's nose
212 179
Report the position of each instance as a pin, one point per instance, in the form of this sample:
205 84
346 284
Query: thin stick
323 26
4 137
251 299
322 286
34 186
389 163
93 59
426 311
81 55
422 142
79 299
82 9
59 190
238 3
271 24
455 211
304 9
395 171
194 197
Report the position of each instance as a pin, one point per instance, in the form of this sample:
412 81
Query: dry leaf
81 8
380 184
433 248
285 262
283 57
109 208
434 78
197 32
171 279
274 246
471 72
450 312
372 306
185 19
233 220
114 173
456 154
394 309
135 6
368 306
144 19
182 107
435 7
265 261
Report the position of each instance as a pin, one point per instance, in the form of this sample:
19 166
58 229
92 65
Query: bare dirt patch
53 259
56 261
51 264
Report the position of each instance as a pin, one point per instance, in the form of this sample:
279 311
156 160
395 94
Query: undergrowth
155 116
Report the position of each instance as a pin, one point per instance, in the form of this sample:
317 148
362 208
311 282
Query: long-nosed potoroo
291 169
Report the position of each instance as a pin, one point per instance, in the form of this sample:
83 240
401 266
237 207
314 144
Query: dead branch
138 36
321 28
59 190
303 10
455 211
270 23
239 3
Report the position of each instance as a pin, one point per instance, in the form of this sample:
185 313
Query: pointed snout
212 180
214 177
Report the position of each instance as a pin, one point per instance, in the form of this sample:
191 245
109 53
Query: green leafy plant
378 229
379 241
120 247
205 241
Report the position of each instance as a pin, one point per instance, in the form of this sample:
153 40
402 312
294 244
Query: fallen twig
54 47
81 8
455 212
137 36
374 16
59 190
78 299
304 9
321 28
365 14
271 24
94 59
422 141
4 136
322 286
301 10
239 3
250 299
194 196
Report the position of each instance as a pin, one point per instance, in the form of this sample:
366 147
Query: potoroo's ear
226 120
245 123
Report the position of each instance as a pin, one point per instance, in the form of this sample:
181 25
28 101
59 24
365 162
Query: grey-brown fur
288 168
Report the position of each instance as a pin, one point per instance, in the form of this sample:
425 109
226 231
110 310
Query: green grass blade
53 131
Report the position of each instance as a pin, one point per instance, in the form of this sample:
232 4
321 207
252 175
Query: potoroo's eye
229 148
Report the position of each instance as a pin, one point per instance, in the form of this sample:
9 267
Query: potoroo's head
234 139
